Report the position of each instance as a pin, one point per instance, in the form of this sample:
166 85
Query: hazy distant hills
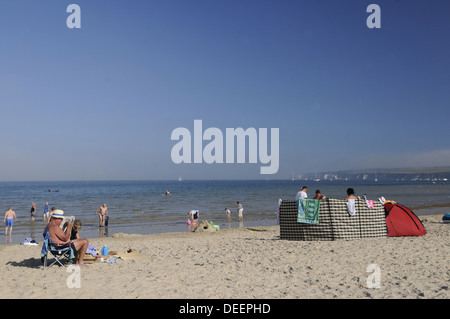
428 174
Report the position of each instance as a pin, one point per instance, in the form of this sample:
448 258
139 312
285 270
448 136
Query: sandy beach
247 262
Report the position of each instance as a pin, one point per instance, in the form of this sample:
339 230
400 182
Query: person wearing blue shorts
10 218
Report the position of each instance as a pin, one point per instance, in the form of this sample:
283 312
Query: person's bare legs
81 246
10 230
101 221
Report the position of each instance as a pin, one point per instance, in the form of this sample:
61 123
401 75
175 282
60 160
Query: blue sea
142 207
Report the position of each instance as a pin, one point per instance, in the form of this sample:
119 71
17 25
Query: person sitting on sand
58 236
319 195
9 220
90 250
102 212
75 228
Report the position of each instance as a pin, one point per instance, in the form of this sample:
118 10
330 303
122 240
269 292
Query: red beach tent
401 221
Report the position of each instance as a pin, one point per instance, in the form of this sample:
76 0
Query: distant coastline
428 174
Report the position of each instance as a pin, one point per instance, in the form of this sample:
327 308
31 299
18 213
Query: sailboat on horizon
317 179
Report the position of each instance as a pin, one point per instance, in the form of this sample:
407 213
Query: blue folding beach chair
62 254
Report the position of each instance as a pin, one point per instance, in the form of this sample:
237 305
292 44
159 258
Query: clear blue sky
101 102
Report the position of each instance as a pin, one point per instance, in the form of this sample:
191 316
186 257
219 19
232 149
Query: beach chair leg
57 260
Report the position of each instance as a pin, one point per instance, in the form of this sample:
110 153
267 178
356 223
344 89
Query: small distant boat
317 179
179 179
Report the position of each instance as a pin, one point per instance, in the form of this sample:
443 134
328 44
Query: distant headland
428 174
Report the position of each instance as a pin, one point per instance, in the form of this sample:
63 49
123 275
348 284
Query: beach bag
446 218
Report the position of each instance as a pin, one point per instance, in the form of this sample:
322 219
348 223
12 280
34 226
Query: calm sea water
141 206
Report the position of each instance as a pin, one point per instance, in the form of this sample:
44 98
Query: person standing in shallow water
33 211
46 213
102 212
240 210
9 220
228 213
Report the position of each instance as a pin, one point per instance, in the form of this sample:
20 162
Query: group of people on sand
70 235
58 236
195 213
302 194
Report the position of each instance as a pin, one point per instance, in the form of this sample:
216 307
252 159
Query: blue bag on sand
446 218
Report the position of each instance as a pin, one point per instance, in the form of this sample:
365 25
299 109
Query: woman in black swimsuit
33 210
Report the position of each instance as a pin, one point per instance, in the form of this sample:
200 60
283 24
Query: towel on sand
308 211
29 241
